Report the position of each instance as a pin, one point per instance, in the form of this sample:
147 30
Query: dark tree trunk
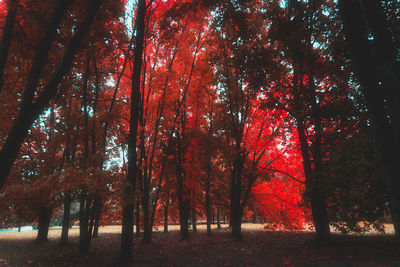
97 217
127 231
85 201
389 65
7 36
29 110
218 218
320 213
147 229
44 223
318 208
236 191
313 154
194 221
208 200
368 74
86 218
127 220
137 218
66 218
166 207
183 201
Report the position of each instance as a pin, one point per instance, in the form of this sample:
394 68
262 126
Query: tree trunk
97 218
208 200
85 224
194 221
44 223
137 218
236 190
389 66
127 226
320 213
385 137
7 36
66 218
127 232
183 201
145 204
318 208
166 207
218 218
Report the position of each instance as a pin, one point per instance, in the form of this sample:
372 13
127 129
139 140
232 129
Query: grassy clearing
258 248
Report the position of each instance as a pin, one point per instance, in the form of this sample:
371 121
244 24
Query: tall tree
379 90
30 108
128 206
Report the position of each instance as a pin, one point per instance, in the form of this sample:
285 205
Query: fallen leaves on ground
258 248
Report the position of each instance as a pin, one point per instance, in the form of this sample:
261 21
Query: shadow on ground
258 248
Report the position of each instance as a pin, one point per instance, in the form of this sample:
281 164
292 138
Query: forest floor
259 247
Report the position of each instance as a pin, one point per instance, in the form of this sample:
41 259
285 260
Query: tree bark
127 220
86 217
166 207
66 218
137 218
97 217
147 229
218 218
385 137
208 202
183 201
44 223
236 191
194 221
127 232
6 38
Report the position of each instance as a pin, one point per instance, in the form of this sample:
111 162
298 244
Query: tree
30 108
378 88
128 207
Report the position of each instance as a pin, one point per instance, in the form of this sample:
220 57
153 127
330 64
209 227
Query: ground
258 248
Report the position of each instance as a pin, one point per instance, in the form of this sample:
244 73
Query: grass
258 248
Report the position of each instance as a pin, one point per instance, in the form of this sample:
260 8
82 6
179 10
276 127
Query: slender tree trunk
320 213
194 221
97 217
166 207
66 218
137 218
44 223
236 190
146 216
85 224
183 201
218 218
208 200
127 220
6 38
